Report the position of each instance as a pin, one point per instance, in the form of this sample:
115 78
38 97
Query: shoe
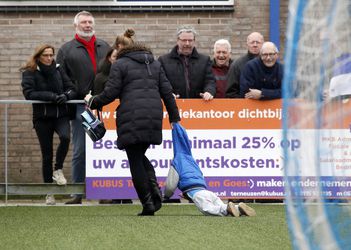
246 210
50 200
59 178
74 200
231 209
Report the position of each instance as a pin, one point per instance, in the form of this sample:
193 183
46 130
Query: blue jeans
78 140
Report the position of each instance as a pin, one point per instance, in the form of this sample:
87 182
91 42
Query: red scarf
90 46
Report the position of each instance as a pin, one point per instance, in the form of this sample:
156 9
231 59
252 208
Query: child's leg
209 204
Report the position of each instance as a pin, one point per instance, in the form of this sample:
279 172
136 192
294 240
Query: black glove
60 99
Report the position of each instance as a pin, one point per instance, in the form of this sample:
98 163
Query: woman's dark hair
109 53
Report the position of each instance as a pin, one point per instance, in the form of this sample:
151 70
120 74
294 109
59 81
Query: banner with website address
237 144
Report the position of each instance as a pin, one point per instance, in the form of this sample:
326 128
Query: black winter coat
75 60
35 86
233 80
101 77
140 83
200 74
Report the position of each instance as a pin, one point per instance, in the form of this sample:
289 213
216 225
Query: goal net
317 117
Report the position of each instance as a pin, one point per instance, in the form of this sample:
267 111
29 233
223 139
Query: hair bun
129 33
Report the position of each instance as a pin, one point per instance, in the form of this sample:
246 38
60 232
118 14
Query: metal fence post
6 137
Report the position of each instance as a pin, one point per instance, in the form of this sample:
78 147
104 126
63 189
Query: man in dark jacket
221 64
188 71
254 43
262 76
79 58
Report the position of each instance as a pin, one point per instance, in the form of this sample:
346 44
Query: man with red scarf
79 58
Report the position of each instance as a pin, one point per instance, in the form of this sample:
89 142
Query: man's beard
186 51
85 34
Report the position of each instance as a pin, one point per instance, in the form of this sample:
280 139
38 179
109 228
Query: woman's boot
156 194
148 206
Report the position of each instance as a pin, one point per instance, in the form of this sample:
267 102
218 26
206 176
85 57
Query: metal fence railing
7 188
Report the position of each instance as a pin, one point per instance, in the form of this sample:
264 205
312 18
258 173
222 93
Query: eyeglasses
47 55
186 40
255 42
265 55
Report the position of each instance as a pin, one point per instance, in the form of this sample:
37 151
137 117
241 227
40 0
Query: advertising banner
237 143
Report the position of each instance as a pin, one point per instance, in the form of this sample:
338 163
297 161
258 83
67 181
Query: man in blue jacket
262 77
187 176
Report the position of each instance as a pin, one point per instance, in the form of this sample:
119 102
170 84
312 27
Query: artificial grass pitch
118 227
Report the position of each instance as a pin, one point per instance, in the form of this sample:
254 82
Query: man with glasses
188 71
254 43
261 78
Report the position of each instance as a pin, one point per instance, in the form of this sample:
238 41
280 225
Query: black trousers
45 131
141 170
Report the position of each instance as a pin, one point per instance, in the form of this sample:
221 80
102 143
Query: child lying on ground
187 176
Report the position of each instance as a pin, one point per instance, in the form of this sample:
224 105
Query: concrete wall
20 33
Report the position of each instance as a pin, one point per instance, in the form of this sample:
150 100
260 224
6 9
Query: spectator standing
104 71
220 65
188 71
79 59
254 43
44 80
262 76
140 83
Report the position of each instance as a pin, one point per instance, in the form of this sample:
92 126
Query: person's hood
137 52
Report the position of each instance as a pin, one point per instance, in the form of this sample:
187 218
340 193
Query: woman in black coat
44 80
138 80
102 77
